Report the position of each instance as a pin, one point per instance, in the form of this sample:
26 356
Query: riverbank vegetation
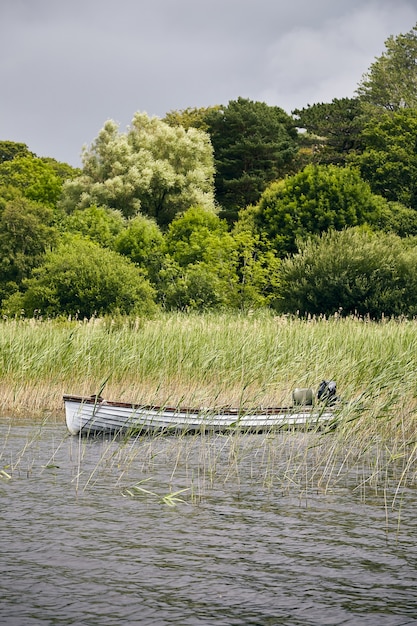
224 255
243 360
231 207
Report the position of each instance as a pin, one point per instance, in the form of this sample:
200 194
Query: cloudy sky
66 66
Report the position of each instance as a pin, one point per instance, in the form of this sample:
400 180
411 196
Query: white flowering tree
153 168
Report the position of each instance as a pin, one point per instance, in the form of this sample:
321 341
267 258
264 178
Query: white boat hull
94 415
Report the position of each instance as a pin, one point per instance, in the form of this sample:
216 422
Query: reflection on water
256 541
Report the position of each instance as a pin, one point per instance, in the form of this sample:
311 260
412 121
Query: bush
354 271
81 279
315 200
394 217
99 224
195 287
143 243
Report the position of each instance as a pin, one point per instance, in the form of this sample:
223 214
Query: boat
94 415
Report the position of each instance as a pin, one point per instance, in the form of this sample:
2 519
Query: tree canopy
389 158
81 279
143 243
26 232
198 271
316 199
253 144
333 130
154 168
143 221
12 149
391 81
99 224
192 117
36 179
354 271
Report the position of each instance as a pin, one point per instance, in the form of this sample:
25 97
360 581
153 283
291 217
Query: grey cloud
66 67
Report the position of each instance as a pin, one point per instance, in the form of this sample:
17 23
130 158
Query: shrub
81 279
316 199
352 271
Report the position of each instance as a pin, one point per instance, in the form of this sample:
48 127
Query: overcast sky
66 66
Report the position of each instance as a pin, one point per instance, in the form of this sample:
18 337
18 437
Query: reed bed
240 360
211 359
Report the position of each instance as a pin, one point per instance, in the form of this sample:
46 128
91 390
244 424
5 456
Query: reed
229 359
212 359
225 358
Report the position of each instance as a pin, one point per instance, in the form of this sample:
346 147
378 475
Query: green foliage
35 179
62 170
196 287
9 192
26 232
209 267
81 279
11 149
148 195
198 271
316 199
154 168
333 130
197 234
389 159
257 269
394 217
253 144
143 243
354 271
99 224
190 117
391 81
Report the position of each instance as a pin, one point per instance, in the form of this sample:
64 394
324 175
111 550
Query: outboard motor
302 396
327 392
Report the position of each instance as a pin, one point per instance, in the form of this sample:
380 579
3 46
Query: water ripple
74 550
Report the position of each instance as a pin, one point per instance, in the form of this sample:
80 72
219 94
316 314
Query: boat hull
92 415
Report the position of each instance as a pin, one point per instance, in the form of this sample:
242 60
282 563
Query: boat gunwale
223 410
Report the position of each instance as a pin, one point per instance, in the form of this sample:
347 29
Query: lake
93 532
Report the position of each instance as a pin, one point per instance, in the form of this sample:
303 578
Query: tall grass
225 359
222 359
238 355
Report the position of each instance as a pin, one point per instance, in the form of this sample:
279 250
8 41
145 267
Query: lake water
253 539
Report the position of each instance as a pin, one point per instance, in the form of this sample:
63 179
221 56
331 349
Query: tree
389 158
318 198
391 81
354 271
34 177
143 243
191 117
253 144
256 266
394 217
333 130
64 171
206 266
154 168
99 224
198 270
195 287
81 279
9 150
197 235
26 232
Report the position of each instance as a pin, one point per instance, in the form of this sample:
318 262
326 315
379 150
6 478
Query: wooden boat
93 415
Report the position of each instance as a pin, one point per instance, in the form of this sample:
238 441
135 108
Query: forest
237 206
